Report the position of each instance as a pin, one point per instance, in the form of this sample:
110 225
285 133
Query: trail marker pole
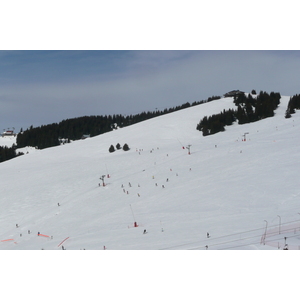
189 148
265 231
180 144
162 230
279 223
134 224
107 171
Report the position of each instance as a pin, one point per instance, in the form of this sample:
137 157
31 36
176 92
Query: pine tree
126 147
240 99
205 130
241 115
111 149
287 114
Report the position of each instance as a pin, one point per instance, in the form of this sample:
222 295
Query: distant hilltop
233 93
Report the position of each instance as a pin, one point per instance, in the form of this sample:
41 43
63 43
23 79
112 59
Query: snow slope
245 194
7 141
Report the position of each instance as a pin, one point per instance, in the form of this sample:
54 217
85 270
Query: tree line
55 134
7 153
249 109
293 104
74 129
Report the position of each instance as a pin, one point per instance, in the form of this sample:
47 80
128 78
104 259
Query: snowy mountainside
241 192
7 141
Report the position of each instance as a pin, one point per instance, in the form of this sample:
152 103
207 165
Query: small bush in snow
126 147
111 149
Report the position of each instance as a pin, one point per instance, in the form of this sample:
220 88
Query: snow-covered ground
245 194
7 141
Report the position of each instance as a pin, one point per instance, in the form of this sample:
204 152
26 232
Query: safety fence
279 236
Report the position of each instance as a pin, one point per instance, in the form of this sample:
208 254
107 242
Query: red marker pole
134 224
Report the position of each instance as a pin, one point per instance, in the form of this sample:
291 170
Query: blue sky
42 87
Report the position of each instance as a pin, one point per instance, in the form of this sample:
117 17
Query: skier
145 231
207 235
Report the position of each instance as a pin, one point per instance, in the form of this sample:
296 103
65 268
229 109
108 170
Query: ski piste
229 190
